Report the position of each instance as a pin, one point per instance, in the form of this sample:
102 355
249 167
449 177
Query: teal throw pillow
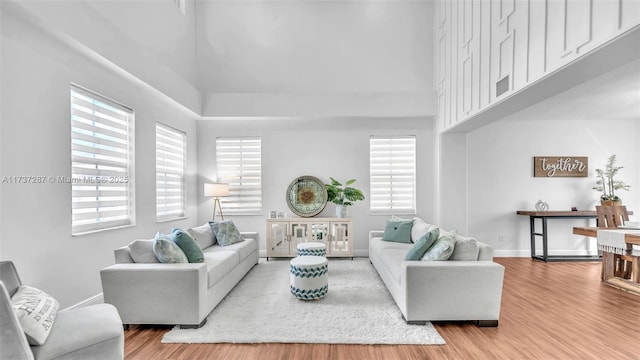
226 232
188 245
398 231
442 248
167 251
422 245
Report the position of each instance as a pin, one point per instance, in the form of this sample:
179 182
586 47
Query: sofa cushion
422 245
392 260
203 235
141 251
244 248
226 232
398 231
443 247
167 251
466 249
36 311
219 264
419 228
189 246
86 332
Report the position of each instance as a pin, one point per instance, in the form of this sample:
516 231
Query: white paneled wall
481 42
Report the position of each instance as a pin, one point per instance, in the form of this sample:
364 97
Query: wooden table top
633 238
557 213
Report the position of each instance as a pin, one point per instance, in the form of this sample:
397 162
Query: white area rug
357 310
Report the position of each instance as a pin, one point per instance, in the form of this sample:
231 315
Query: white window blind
101 162
392 172
239 162
170 168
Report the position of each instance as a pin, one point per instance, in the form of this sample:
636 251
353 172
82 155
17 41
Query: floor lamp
216 190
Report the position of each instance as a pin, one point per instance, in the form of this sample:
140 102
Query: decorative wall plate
306 196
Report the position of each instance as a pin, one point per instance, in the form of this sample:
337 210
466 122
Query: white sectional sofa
466 287
181 294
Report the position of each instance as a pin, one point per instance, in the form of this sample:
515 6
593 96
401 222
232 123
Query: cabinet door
299 234
319 232
278 239
341 239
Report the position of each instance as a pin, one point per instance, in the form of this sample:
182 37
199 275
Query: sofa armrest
375 233
452 290
157 293
250 235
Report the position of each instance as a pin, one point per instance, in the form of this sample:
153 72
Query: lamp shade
216 189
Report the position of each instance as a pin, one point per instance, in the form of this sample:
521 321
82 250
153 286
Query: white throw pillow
466 249
203 235
36 311
142 251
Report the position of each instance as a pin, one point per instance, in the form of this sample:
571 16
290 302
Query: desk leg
545 250
532 228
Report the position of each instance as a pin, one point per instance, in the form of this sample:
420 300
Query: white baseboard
527 253
96 299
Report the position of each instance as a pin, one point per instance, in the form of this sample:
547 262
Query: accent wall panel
481 42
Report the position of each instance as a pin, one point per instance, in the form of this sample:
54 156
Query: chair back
13 341
612 216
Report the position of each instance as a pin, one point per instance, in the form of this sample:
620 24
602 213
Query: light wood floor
549 311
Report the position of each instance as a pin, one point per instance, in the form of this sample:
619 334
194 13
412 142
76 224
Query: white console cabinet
284 235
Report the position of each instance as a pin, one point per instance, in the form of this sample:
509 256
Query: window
392 172
170 168
239 164
101 162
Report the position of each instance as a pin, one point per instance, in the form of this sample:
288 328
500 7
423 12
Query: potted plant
342 195
606 183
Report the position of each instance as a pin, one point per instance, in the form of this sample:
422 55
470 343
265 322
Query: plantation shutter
239 162
170 168
392 172
101 156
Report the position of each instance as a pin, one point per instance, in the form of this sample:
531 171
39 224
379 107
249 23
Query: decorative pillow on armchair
226 232
167 251
442 248
36 311
398 231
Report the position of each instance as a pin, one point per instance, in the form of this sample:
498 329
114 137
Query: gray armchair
88 332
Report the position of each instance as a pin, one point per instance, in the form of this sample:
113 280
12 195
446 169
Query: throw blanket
613 240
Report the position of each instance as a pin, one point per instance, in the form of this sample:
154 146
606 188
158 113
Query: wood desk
544 216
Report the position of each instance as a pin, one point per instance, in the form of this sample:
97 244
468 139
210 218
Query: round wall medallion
306 196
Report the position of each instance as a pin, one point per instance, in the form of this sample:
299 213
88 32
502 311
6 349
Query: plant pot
341 211
610 202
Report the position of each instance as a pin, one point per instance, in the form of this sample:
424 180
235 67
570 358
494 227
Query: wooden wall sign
560 166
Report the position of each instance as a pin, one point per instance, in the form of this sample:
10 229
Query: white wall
152 40
315 58
500 177
319 147
35 231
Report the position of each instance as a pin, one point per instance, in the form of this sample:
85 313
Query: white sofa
180 294
451 290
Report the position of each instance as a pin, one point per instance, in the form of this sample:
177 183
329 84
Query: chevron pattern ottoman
309 277
312 249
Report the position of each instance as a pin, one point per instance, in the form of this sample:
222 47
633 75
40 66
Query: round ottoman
312 249
309 277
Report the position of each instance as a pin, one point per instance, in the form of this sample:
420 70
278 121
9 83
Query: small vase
341 211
